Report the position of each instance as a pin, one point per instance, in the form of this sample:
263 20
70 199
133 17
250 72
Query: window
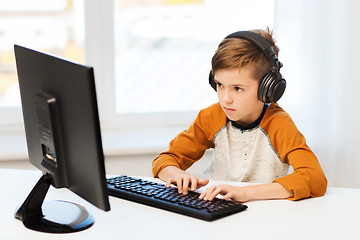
164 47
151 57
55 27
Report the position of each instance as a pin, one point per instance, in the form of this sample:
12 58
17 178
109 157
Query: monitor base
52 216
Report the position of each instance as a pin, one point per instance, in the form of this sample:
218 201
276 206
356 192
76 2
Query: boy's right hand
183 180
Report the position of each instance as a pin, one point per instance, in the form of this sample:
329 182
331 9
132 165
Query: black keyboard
157 195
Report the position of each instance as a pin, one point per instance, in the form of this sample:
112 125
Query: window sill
115 143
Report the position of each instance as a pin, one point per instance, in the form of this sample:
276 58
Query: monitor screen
62 127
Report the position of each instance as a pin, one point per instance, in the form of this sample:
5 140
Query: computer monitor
63 139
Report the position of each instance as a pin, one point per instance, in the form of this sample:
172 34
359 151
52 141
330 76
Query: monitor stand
52 216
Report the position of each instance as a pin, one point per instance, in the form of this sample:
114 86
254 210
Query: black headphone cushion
211 81
271 88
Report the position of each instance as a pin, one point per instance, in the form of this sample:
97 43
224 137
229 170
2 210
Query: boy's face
237 93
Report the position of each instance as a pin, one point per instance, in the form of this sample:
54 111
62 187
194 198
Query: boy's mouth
229 109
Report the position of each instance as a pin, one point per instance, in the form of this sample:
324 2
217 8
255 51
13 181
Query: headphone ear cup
271 88
278 89
211 81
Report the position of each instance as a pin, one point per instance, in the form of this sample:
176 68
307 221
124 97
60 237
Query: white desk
334 216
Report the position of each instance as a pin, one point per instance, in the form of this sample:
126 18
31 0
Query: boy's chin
231 118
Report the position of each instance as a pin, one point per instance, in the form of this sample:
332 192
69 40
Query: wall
321 51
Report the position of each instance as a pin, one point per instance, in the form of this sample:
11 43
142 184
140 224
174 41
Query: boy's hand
183 180
227 191
247 193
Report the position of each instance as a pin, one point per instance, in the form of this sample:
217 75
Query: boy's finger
179 185
194 182
185 186
203 182
215 193
203 194
168 182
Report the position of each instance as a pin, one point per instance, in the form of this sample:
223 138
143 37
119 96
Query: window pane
55 27
164 49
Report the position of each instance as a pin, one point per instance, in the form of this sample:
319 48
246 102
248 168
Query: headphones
272 86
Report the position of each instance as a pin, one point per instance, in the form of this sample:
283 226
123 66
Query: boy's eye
238 89
219 84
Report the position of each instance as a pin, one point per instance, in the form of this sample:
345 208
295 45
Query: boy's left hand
246 193
227 191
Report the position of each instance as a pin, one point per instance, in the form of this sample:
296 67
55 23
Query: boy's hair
235 53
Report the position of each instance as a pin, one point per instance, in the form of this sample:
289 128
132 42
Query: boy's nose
227 97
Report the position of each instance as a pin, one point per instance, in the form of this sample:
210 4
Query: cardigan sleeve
190 145
308 178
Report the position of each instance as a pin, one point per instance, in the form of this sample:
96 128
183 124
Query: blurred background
152 60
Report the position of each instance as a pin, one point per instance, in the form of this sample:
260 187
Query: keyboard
157 195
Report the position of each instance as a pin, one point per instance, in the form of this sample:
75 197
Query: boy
252 141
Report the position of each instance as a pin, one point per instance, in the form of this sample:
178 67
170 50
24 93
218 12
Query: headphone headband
262 43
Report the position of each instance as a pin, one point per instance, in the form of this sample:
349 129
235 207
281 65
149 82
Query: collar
251 125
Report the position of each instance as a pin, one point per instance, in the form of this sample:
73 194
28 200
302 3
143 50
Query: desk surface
334 216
